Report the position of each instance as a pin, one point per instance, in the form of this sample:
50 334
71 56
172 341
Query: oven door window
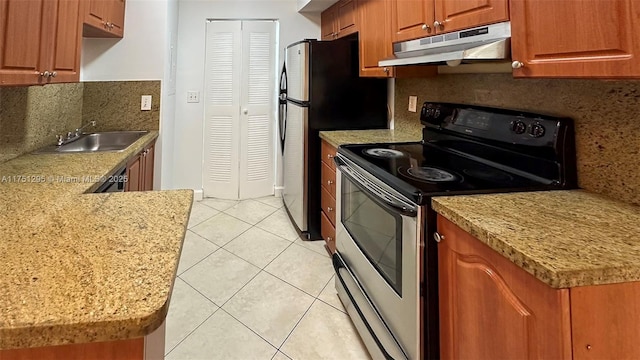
376 229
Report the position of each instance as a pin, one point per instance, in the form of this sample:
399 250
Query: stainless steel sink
94 142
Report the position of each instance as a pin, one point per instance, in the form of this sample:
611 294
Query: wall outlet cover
193 96
145 102
413 103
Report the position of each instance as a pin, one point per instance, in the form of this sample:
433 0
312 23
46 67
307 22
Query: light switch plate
193 96
145 102
413 103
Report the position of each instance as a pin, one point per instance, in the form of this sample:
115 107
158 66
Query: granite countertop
564 238
342 137
80 267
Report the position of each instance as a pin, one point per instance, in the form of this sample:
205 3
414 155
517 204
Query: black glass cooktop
419 171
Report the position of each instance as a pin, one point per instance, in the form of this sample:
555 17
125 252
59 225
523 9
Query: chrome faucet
73 135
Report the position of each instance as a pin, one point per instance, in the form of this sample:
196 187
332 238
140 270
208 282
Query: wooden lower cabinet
140 171
328 195
492 309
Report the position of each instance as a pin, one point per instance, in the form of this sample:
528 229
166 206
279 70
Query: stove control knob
518 126
537 130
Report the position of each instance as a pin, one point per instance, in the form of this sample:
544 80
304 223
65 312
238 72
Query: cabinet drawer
328 179
328 205
328 232
328 153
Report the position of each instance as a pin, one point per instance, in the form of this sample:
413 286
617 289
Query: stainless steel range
386 261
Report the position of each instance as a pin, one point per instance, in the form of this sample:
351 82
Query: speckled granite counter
564 238
78 267
342 137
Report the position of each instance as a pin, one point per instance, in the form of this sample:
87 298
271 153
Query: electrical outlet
413 103
145 102
193 96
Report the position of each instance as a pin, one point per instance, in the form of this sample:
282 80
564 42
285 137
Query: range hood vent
490 42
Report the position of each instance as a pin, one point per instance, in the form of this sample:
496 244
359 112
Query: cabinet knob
329 182
329 156
107 24
438 237
517 64
385 69
245 111
437 24
45 74
54 74
329 238
110 26
329 209
426 27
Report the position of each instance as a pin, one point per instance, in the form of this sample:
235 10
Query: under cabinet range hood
489 42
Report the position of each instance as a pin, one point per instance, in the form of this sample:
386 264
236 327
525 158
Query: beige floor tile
278 223
187 310
257 246
200 213
276 202
324 333
219 204
250 211
302 268
221 229
329 295
280 356
220 275
314 245
194 249
269 306
222 337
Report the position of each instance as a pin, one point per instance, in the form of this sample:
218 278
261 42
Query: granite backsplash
31 117
606 115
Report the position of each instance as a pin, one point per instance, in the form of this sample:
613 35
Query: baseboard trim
277 191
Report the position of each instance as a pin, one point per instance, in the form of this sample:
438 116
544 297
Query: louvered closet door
239 112
257 115
222 114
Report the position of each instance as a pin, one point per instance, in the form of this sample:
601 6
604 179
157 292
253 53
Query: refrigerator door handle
282 113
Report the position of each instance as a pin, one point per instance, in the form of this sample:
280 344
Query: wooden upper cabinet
576 38
492 309
411 19
104 18
39 41
374 37
341 19
454 15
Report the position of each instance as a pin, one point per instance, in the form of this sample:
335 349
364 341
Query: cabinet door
456 15
411 19
492 309
103 18
66 39
346 18
147 166
21 36
576 38
117 17
328 30
134 174
375 37
97 13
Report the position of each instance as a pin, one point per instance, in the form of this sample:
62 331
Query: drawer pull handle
329 238
329 182
329 156
329 209
438 237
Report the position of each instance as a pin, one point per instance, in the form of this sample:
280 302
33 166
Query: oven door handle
345 276
385 200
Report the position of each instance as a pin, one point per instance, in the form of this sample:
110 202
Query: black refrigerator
320 89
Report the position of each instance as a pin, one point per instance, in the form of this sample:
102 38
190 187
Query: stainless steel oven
379 262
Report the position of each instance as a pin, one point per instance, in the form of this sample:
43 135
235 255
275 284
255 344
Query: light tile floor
249 288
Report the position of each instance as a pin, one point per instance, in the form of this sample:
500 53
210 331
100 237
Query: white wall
143 54
191 61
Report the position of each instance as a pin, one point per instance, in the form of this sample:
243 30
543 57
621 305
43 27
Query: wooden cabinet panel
129 349
104 18
328 153
492 309
411 19
374 37
603 331
328 204
346 17
576 38
328 23
147 166
457 15
134 174
328 178
328 232
38 38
